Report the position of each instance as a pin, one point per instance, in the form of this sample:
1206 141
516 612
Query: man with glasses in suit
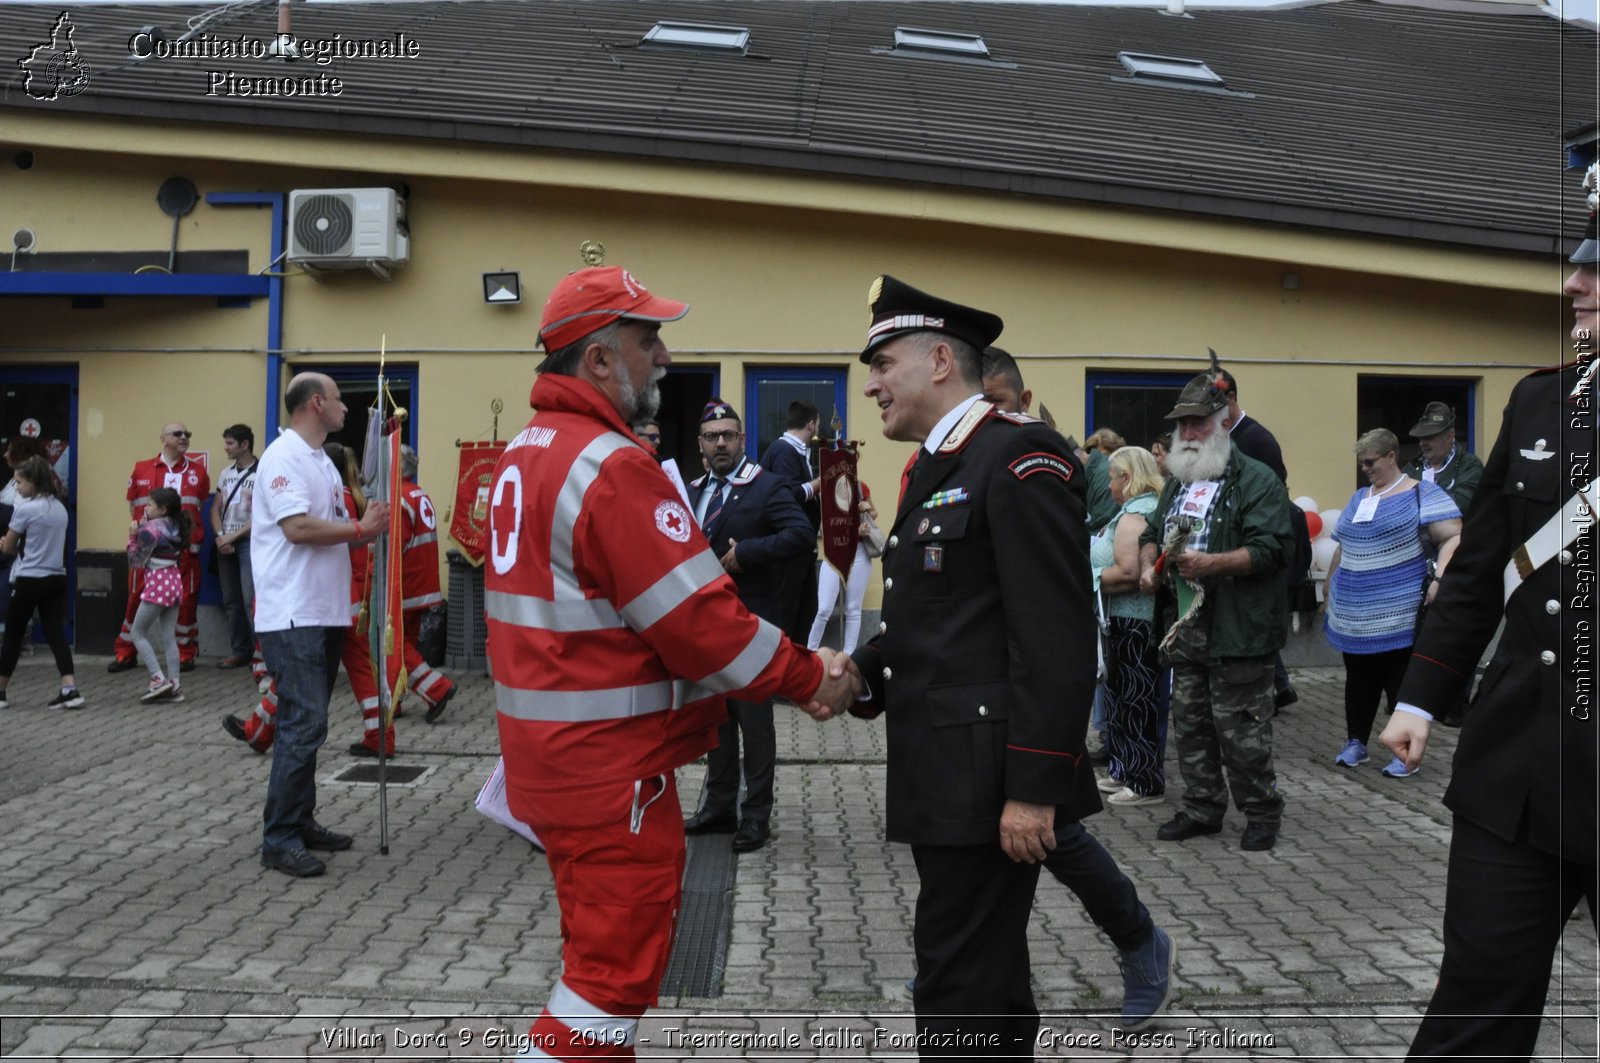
756 527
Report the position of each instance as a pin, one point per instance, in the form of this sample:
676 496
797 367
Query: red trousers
619 890
427 682
188 611
262 725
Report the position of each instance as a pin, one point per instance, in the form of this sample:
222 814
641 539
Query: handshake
840 688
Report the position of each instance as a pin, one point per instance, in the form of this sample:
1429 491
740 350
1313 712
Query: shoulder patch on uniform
1041 461
750 471
673 521
1017 418
962 432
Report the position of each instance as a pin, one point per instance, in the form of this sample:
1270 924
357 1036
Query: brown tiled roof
1441 123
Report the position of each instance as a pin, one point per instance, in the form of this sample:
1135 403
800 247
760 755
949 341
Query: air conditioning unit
348 228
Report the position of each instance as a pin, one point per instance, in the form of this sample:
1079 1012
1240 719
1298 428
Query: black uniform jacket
1527 750
761 515
985 663
785 462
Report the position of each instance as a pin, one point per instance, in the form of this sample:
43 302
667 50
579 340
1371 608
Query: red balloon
1314 524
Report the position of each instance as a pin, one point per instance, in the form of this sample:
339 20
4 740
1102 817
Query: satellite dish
177 196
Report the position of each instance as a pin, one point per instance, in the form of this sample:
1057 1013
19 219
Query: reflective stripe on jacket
614 633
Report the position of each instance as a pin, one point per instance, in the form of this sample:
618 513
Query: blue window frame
49 395
358 386
1133 404
768 391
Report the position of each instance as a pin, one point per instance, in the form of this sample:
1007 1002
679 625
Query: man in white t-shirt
300 536
230 528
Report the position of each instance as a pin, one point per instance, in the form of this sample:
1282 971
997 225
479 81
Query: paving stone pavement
136 922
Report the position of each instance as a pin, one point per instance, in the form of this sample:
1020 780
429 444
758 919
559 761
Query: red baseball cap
591 299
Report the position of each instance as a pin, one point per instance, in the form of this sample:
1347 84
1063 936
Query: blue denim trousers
238 597
303 662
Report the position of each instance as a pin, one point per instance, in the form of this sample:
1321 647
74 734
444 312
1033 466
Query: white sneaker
159 689
1126 797
1109 784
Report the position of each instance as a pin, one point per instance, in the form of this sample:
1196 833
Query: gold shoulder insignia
962 432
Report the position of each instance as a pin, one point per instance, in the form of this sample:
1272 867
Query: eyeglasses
650 437
728 436
1367 463
181 435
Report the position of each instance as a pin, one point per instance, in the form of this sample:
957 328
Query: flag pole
378 607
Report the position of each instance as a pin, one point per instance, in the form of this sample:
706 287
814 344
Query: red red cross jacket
196 488
614 634
419 543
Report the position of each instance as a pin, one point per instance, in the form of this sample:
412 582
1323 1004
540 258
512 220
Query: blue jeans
303 662
238 597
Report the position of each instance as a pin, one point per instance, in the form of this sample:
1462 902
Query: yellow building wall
769 284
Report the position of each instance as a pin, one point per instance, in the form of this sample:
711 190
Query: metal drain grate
398 774
705 921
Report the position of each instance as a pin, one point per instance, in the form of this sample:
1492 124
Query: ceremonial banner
392 669
841 507
469 517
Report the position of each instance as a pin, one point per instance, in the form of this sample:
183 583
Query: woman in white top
38 577
855 588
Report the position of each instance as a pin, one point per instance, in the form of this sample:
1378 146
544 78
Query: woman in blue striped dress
1389 536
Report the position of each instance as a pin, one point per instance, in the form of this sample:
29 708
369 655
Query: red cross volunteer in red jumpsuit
188 476
614 637
419 581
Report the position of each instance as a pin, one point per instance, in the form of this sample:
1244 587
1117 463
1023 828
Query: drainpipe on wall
277 201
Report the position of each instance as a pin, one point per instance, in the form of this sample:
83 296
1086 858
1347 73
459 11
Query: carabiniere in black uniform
984 669
1524 782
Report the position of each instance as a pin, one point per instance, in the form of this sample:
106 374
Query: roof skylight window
966 45
699 36
1169 68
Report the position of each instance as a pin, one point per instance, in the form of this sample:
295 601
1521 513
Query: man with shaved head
300 538
173 468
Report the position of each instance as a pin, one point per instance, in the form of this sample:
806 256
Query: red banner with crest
841 506
469 517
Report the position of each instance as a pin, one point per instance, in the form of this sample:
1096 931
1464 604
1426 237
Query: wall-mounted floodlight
502 287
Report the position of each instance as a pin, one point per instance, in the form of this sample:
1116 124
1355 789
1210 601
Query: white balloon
1322 554
1330 521
1307 503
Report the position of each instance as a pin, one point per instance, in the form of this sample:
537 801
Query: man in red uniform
175 469
419 584
615 636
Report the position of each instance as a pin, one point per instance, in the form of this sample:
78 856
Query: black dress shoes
751 836
708 821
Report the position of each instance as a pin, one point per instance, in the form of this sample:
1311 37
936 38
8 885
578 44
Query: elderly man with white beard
1214 549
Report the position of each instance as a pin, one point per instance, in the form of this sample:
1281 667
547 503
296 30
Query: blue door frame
64 375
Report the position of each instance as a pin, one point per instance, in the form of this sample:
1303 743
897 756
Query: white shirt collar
947 422
795 441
